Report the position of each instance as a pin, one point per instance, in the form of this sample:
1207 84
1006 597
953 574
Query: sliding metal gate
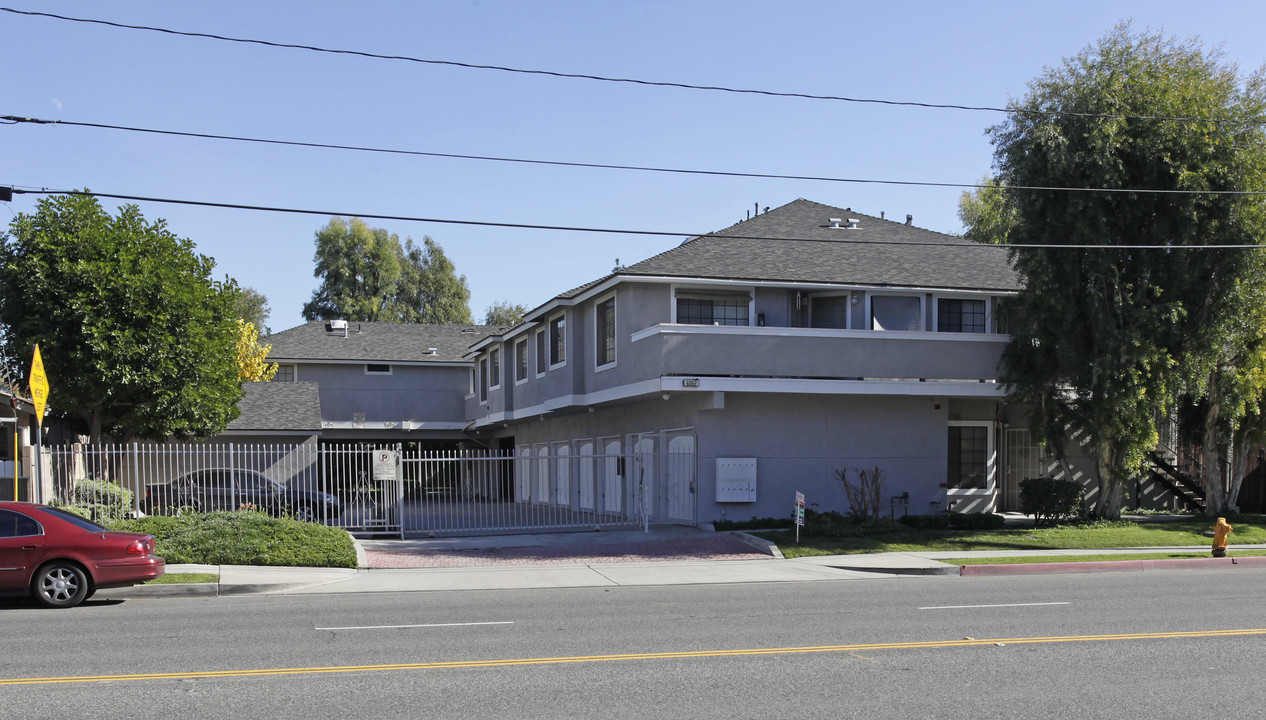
388 491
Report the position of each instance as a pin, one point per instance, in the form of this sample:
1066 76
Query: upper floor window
540 352
958 315
604 332
558 340
520 361
494 368
896 312
828 311
483 380
285 373
377 369
696 308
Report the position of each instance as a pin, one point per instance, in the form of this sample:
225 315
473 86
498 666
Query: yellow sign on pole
39 386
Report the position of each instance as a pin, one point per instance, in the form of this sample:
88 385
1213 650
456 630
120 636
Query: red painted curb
1112 566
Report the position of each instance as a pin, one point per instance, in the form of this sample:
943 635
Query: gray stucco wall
419 393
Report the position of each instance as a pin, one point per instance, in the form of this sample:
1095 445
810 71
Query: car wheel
304 513
60 585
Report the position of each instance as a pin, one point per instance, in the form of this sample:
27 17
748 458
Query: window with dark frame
285 374
520 361
494 367
604 335
957 315
483 380
377 369
704 309
558 340
968 467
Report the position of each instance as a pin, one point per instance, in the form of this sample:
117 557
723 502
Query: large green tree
503 313
367 274
1104 339
136 337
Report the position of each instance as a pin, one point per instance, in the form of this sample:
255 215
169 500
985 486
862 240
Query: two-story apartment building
804 340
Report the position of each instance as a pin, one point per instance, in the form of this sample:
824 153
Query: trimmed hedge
244 538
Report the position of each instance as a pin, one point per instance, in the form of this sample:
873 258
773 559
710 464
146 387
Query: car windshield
74 519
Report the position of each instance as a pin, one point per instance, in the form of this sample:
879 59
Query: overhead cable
617 231
13 119
633 81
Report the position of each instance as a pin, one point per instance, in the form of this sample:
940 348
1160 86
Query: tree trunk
94 426
1210 468
1238 464
1111 487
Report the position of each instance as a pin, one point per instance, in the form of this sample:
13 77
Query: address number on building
690 382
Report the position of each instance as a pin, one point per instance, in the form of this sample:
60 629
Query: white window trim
991 461
540 360
615 333
474 378
527 361
549 342
494 379
936 310
713 290
482 373
923 310
390 369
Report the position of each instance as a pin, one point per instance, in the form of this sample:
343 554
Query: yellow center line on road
966 642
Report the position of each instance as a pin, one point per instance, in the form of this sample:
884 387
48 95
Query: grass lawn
1018 559
184 578
1249 529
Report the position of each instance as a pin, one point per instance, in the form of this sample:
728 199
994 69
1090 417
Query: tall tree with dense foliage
1103 339
986 213
368 275
137 338
503 313
252 307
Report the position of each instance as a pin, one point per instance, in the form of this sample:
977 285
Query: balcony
760 352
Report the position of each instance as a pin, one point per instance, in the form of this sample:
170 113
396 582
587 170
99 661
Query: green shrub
99 500
976 521
244 538
926 522
1048 499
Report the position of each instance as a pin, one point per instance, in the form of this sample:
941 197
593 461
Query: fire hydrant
1220 530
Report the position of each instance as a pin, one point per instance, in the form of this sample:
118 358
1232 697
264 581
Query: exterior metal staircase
1184 487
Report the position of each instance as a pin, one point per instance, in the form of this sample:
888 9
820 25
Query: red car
61 559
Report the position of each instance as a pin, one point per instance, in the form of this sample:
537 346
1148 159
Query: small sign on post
39 397
799 515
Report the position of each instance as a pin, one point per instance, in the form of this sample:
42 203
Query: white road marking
433 625
960 607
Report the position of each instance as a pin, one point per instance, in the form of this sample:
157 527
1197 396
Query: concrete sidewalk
664 556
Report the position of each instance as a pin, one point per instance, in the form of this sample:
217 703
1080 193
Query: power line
13 119
632 81
614 231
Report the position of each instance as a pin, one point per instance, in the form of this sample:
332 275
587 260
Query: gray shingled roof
376 342
279 407
795 243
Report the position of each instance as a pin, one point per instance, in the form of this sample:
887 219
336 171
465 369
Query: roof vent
854 223
835 223
909 219
432 351
336 325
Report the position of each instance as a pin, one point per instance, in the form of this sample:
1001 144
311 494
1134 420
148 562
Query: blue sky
978 53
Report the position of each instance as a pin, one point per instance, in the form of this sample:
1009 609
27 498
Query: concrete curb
1102 566
942 570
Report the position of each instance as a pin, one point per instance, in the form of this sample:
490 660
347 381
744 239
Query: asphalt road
1154 645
